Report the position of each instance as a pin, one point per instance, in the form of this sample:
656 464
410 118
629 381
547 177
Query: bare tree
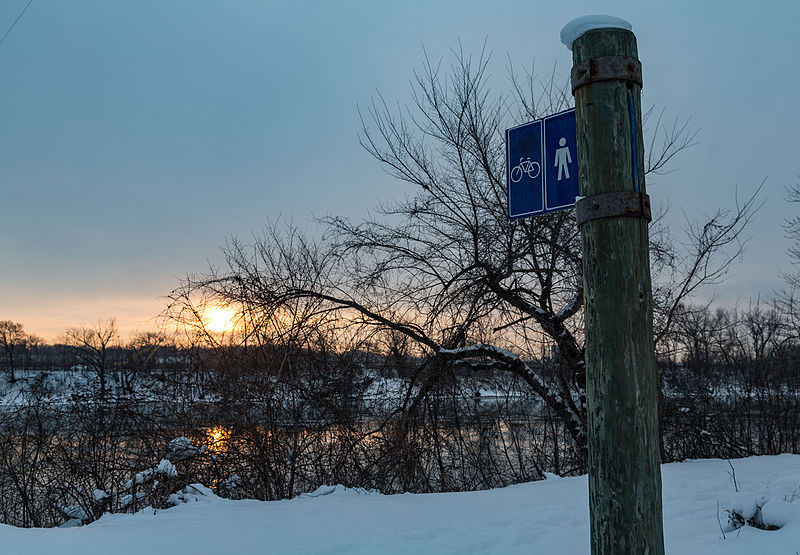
445 267
711 247
792 226
92 346
141 353
13 340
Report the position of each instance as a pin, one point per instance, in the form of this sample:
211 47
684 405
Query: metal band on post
606 68
613 205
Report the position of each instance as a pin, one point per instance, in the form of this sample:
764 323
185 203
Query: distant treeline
272 420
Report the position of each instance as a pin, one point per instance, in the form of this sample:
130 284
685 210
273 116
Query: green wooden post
624 472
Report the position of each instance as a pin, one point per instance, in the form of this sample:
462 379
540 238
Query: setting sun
219 319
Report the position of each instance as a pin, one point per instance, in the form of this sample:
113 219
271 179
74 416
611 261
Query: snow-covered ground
550 516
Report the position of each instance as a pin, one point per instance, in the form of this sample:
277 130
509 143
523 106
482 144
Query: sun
219 319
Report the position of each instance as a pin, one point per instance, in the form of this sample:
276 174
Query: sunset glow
219 319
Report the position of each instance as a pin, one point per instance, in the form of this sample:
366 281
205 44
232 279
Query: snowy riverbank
550 516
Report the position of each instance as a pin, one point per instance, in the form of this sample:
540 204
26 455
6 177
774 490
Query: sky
136 137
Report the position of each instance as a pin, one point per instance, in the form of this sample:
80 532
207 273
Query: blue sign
542 166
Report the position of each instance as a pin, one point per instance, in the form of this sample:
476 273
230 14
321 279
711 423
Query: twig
720 522
732 474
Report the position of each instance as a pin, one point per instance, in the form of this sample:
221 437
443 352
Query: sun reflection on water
216 438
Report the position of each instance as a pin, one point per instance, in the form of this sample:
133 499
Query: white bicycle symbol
531 169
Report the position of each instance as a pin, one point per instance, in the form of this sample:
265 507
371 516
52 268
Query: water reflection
216 438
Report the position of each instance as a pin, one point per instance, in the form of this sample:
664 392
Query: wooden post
624 471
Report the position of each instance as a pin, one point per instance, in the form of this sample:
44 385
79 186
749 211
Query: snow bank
550 516
339 491
579 26
770 505
181 448
193 493
166 468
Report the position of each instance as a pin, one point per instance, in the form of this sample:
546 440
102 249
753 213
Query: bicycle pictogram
531 169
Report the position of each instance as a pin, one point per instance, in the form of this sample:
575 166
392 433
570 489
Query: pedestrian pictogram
563 159
542 171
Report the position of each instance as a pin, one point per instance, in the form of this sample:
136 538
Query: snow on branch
512 363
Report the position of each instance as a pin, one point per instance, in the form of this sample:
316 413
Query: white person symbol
563 158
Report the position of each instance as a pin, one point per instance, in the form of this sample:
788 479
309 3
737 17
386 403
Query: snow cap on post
579 26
